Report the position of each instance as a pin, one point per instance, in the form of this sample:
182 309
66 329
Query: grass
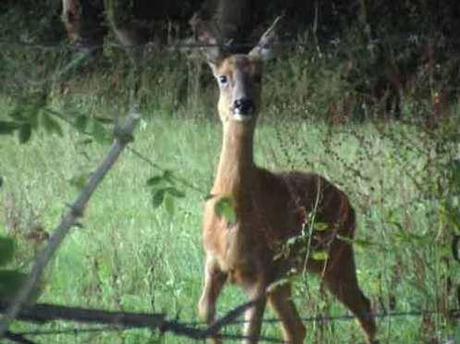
129 256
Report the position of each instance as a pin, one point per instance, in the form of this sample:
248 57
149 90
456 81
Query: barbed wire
17 338
72 331
42 313
21 336
189 44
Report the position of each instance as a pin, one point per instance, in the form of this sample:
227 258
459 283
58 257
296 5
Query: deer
251 250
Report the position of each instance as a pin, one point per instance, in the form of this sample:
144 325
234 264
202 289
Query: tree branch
123 136
46 312
17 338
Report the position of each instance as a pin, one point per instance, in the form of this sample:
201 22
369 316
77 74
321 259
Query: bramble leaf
320 255
158 197
320 226
169 203
225 207
152 181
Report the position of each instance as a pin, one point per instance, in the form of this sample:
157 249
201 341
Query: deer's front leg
214 280
254 315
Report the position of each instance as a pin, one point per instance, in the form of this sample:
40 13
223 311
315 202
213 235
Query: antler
265 44
215 49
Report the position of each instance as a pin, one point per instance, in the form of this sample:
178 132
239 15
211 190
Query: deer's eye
223 79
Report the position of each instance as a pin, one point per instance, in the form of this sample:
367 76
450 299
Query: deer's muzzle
243 108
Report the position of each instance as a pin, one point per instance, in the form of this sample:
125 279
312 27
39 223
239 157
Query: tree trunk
85 24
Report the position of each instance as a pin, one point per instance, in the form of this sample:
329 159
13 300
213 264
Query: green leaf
7 127
7 246
169 203
225 208
158 197
25 132
176 193
320 255
10 282
1 181
51 125
155 180
321 226
294 240
168 175
81 123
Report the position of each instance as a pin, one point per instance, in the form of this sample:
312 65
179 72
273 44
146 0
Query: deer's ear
264 48
206 35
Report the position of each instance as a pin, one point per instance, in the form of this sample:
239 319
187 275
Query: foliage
164 191
127 250
225 207
140 248
25 21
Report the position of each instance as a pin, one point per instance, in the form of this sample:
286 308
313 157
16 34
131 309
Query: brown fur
271 208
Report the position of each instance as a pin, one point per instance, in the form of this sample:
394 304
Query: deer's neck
236 169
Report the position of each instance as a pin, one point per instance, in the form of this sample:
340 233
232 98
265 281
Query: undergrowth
394 150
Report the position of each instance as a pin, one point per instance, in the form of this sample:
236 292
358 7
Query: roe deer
269 209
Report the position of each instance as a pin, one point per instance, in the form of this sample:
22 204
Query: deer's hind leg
281 302
341 280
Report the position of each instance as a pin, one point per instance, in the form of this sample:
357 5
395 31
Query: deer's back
294 200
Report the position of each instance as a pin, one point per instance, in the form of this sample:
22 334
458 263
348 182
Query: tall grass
130 256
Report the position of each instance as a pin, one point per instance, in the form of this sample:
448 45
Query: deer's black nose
243 106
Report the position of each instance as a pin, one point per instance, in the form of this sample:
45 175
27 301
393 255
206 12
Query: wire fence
408 39
122 321
189 329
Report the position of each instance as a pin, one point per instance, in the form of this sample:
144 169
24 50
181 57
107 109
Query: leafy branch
123 137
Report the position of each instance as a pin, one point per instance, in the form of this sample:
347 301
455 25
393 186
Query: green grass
129 256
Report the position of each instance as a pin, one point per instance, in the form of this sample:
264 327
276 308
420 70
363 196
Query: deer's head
238 75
